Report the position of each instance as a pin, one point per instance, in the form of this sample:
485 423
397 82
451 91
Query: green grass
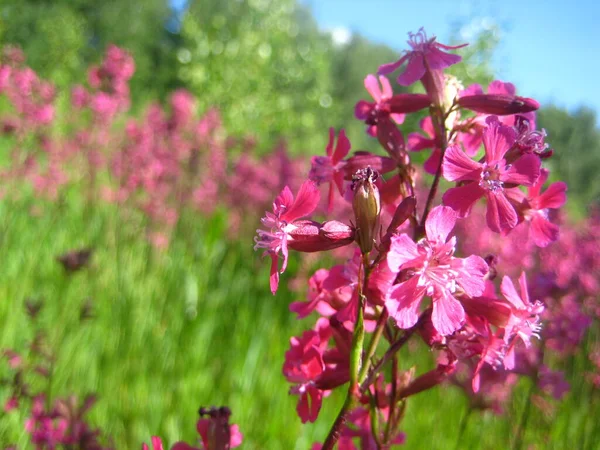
198 326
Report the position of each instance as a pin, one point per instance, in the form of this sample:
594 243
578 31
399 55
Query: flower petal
461 199
510 293
306 201
403 303
523 171
433 162
497 139
402 250
542 231
372 87
437 59
414 71
457 166
448 314
384 69
417 142
501 216
362 109
439 223
274 278
472 272
554 197
342 147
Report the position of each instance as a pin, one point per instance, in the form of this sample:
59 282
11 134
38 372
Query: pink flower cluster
52 422
169 159
408 277
31 97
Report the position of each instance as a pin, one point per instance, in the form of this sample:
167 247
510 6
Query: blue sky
549 49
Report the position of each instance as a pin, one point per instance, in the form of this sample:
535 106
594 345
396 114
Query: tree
575 139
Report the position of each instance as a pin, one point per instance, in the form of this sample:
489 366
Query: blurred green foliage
264 64
62 37
575 138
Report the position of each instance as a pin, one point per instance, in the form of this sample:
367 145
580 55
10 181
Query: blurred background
172 310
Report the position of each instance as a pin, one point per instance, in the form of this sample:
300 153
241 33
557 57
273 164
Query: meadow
173 312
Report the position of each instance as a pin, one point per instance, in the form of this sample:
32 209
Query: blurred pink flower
426 55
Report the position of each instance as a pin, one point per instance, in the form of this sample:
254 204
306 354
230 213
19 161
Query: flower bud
430 379
366 205
310 236
408 103
498 104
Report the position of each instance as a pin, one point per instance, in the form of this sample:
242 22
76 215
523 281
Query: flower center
490 178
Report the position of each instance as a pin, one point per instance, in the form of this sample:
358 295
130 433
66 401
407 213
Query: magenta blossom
499 95
426 55
329 169
432 270
281 223
535 206
210 430
491 178
524 322
418 142
304 364
368 111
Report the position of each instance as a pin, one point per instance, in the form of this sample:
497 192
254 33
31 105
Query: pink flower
490 178
553 382
79 97
210 429
329 169
11 404
536 205
304 364
318 297
418 142
371 111
524 322
426 55
433 271
470 131
281 223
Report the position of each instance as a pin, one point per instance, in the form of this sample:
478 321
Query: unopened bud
498 104
310 236
366 205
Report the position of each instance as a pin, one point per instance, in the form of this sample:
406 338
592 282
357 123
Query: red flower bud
311 236
367 206
431 378
498 104
408 103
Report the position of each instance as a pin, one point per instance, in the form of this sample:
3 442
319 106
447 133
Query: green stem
518 442
356 360
389 354
373 345
340 421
